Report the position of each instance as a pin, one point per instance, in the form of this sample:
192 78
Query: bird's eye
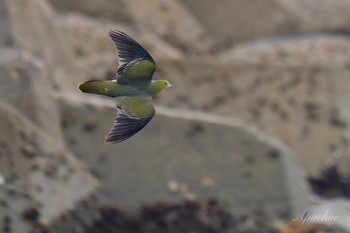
165 84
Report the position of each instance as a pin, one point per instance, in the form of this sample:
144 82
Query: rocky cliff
260 101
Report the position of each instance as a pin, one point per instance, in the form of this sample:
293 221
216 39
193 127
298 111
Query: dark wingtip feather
125 127
128 49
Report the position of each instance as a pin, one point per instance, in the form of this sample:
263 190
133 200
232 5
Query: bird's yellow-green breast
136 106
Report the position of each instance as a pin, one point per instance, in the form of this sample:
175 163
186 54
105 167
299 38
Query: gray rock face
29 156
317 49
106 9
186 32
184 155
30 25
17 209
231 22
319 16
92 51
296 103
25 83
32 154
242 20
194 25
293 88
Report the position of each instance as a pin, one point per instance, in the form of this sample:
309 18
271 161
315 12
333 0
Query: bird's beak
171 86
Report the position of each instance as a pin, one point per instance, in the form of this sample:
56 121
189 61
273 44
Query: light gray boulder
30 25
105 9
18 210
25 84
233 22
31 157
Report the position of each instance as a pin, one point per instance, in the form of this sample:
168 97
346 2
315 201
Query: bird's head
159 85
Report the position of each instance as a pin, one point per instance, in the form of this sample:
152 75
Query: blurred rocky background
253 138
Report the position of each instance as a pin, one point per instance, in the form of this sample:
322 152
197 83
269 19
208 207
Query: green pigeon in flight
133 88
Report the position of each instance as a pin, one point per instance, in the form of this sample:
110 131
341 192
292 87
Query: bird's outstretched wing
134 113
136 65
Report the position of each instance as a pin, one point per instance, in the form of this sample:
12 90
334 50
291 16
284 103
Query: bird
132 88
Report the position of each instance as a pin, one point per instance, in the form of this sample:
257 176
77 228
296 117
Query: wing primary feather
136 65
128 49
125 127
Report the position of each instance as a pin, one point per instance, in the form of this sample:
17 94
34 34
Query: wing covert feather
136 65
134 113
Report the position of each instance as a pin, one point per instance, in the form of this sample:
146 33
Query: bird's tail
98 87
